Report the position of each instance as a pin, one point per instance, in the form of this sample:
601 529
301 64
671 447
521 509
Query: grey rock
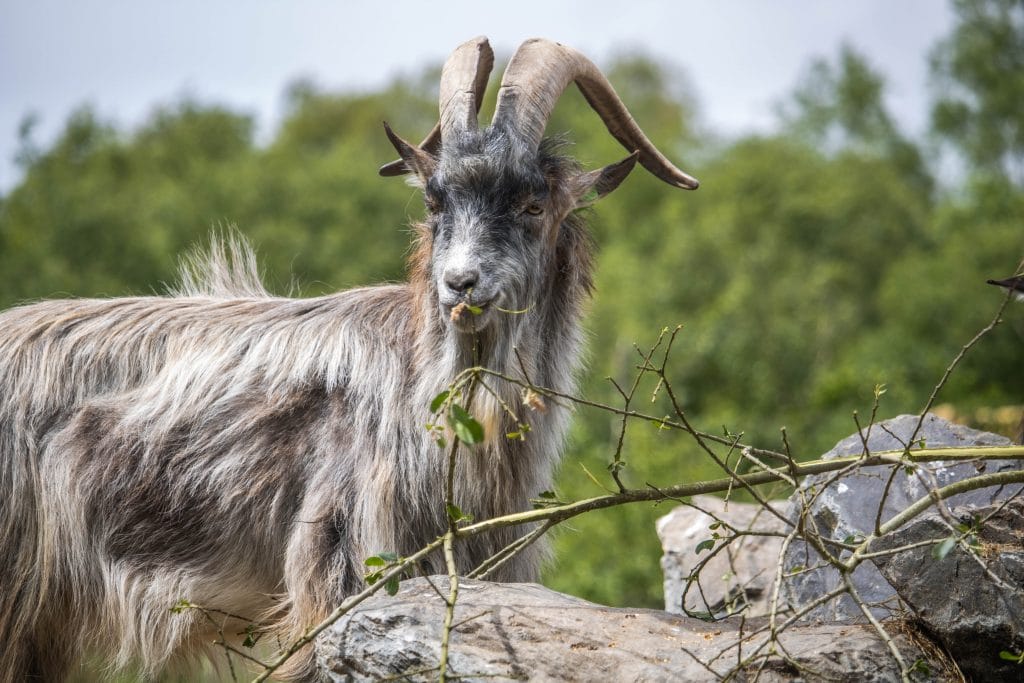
739 577
974 605
848 506
527 632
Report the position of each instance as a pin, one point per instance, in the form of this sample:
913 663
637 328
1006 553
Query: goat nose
461 280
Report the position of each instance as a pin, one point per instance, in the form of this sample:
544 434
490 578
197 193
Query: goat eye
534 209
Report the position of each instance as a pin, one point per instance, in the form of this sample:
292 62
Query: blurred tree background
835 254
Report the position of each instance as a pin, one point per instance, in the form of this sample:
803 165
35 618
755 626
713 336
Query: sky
126 57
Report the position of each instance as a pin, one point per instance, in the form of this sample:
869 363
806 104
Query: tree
813 263
979 86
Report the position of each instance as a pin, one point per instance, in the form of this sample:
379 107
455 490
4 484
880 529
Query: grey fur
247 452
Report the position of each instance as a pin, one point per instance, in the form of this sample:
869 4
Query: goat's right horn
463 83
538 74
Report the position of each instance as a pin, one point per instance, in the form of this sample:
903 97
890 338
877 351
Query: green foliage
979 72
439 400
812 265
465 425
841 101
943 548
456 515
706 544
383 562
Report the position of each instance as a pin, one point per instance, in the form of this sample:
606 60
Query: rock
848 506
525 631
739 576
973 605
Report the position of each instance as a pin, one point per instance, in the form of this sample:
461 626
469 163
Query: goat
248 452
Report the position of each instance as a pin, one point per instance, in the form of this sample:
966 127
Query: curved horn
463 82
536 77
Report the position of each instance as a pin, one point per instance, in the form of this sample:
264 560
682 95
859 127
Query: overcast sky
126 56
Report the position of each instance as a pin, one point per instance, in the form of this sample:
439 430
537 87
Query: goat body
227 450
247 453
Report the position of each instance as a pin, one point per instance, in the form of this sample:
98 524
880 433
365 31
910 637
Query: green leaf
439 400
660 424
469 431
250 636
705 545
1010 657
456 514
475 310
545 499
465 426
181 606
714 525
440 441
390 558
375 561
942 549
392 585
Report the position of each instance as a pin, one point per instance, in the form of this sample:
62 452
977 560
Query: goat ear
414 159
591 186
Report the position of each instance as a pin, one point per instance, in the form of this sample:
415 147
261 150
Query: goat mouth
467 316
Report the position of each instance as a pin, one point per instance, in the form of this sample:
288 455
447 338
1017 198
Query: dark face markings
492 214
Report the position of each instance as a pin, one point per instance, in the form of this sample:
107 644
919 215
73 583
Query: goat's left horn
463 83
538 74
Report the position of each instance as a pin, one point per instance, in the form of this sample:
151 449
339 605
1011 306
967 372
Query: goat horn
538 74
463 82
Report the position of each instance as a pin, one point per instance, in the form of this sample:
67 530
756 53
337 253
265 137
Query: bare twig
886 638
492 563
763 641
449 611
346 606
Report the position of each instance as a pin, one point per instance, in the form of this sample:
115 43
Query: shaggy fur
247 452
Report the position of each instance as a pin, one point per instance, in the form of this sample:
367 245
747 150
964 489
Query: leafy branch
455 427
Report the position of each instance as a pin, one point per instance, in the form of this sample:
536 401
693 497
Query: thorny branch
762 642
